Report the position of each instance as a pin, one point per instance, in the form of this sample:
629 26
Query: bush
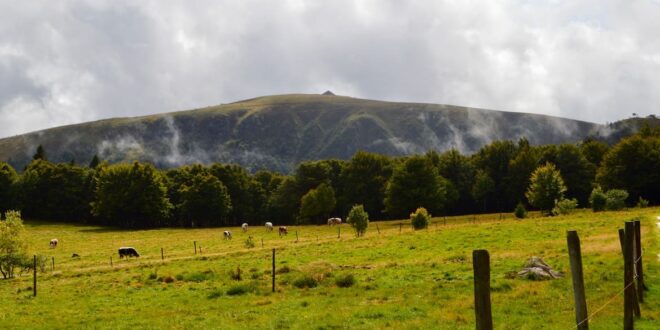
597 199
564 206
215 294
641 202
305 282
520 211
238 290
359 219
249 243
616 199
420 219
345 281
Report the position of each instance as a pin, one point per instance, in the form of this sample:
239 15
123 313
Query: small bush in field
616 199
420 218
564 206
520 211
359 219
305 282
642 203
345 281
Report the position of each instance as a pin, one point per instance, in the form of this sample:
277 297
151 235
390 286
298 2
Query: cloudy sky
64 62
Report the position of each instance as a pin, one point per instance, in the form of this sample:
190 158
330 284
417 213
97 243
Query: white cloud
67 62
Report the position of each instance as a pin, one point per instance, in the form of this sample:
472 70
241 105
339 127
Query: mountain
277 132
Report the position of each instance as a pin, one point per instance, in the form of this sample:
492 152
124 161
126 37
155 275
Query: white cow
334 221
227 234
244 227
269 226
53 243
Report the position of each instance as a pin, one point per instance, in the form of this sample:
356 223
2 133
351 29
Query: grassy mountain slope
277 132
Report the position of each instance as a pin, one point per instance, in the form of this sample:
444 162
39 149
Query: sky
65 62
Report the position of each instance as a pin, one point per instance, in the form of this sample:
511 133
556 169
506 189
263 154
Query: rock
537 269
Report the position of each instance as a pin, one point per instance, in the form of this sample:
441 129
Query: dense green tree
55 191
283 202
131 196
494 160
420 218
317 205
311 174
205 201
578 173
546 187
363 181
594 150
415 183
358 218
241 187
460 172
483 188
521 167
597 199
8 179
634 165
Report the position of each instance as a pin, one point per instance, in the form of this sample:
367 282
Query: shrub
283 270
249 243
420 219
546 186
345 281
564 206
215 294
235 275
520 211
641 202
359 219
616 199
597 199
238 290
305 282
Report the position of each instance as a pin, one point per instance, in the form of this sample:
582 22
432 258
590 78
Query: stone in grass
536 269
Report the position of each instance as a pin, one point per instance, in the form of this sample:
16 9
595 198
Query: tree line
494 179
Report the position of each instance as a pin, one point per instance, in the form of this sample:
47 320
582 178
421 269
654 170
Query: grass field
403 280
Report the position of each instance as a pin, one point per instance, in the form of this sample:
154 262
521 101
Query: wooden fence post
378 229
110 261
581 316
338 232
628 282
482 310
262 242
162 254
273 270
195 246
636 309
638 265
34 285
296 236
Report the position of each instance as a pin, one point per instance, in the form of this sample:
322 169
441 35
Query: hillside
277 132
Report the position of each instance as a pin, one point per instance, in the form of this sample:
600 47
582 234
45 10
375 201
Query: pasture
403 279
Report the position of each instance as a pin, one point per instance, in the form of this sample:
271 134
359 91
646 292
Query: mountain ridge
277 132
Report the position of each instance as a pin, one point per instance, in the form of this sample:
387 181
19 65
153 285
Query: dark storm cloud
72 61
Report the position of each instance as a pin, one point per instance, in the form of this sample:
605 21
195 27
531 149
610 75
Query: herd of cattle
132 252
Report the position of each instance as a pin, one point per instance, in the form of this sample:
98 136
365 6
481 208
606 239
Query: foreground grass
402 279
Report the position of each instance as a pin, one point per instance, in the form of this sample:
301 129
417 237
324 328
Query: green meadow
393 277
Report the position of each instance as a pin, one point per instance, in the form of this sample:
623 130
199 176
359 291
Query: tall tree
546 186
317 205
204 202
363 181
8 179
413 184
131 196
494 160
94 162
40 154
461 173
240 187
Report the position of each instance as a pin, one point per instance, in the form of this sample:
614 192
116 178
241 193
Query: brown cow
283 230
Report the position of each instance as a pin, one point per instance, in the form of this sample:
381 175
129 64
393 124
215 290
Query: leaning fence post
162 255
34 285
338 232
482 310
53 265
378 229
195 246
581 316
273 270
628 281
638 264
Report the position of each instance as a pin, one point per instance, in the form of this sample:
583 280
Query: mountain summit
277 132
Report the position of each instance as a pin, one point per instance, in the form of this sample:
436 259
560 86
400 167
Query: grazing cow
283 230
244 227
269 226
227 234
334 221
53 243
127 252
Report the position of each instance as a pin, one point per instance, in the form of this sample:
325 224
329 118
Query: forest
494 179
